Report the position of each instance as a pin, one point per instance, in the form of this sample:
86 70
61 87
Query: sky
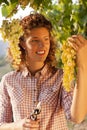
21 13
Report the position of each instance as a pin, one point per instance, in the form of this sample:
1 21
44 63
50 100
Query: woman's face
37 45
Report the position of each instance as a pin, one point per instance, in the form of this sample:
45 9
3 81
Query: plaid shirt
20 92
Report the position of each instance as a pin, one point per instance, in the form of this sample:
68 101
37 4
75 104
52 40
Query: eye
35 40
47 38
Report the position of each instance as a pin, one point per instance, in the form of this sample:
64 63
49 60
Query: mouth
40 52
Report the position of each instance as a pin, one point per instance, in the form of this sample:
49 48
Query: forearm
79 103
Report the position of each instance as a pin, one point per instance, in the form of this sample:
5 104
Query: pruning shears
35 112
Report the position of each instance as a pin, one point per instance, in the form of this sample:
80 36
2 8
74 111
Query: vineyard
67 18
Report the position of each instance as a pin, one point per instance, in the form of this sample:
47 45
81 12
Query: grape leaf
8 10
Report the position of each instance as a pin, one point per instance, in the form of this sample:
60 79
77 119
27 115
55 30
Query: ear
22 42
23 45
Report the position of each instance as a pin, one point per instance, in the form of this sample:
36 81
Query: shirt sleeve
5 105
67 102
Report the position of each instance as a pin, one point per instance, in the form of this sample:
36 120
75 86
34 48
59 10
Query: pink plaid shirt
20 92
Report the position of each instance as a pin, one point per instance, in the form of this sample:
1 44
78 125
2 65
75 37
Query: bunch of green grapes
11 32
69 65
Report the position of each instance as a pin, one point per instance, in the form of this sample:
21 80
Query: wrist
82 77
82 67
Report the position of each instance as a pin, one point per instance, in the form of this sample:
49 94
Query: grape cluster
11 32
68 59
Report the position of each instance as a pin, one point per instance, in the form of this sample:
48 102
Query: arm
79 103
5 108
6 113
5 105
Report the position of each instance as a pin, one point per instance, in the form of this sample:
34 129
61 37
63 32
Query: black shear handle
35 112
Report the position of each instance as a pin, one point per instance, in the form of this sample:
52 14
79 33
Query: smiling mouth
40 52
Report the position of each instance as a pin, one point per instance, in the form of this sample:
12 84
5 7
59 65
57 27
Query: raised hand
79 43
31 124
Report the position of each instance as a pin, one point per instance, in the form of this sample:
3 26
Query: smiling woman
37 47
38 79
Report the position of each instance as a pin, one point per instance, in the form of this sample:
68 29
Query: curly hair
29 22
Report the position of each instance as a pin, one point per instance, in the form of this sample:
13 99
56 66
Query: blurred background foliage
67 17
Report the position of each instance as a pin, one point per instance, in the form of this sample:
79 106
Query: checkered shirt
20 92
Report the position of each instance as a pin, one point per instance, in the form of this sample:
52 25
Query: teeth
40 52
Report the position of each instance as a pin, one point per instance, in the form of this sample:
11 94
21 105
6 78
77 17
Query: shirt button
34 102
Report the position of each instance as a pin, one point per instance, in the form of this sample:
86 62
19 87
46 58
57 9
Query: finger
75 39
25 128
26 125
78 42
31 124
71 41
30 129
74 46
80 38
32 121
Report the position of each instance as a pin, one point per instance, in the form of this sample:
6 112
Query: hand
31 125
79 43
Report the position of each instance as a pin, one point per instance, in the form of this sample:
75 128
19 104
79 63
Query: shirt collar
43 71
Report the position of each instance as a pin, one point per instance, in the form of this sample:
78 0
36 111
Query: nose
41 44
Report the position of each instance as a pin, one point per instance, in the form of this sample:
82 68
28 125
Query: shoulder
9 76
58 71
57 74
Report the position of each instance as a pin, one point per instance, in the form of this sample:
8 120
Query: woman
38 80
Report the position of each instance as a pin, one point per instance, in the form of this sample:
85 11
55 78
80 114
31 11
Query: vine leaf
9 10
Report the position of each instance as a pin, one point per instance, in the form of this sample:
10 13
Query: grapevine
68 59
11 32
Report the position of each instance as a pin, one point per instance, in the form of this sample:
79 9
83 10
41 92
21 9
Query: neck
35 67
